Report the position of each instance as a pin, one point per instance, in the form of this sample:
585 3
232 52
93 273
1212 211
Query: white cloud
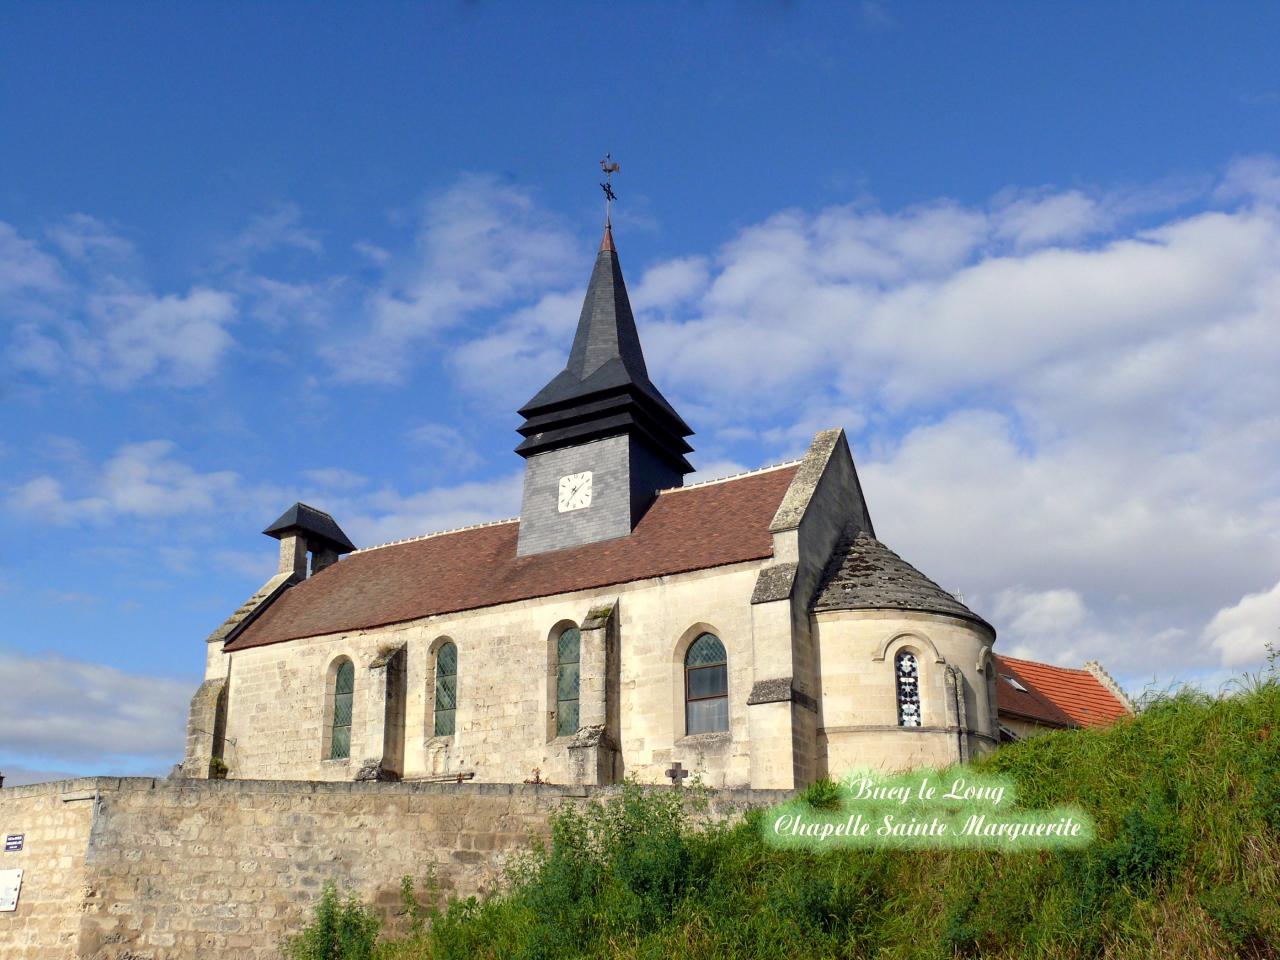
448 450
1039 612
669 284
507 365
1148 541
1242 633
253 565
481 245
100 323
1037 220
335 478
24 267
1256 177
89 714
178 339
142 480
278 228
149 481
87 239
16 776
715 470
388 515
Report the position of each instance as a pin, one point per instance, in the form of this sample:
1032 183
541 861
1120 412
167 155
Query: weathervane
610 168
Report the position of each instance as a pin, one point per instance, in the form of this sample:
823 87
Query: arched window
344 686
446 689
568 653
908 673
706 686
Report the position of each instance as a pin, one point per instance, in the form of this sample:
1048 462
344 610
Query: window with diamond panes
706 686
446 689
908 672
568 653
344 686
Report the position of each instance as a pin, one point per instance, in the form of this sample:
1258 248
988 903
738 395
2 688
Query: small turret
301 530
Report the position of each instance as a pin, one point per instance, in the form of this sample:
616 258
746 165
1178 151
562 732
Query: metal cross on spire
610 167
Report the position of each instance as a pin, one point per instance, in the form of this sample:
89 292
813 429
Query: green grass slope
1186 864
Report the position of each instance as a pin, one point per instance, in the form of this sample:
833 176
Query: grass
1186 864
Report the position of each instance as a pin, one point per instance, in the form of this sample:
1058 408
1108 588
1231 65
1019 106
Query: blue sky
249 253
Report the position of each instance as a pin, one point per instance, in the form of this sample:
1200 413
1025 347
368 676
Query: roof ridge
495 523
732 476
1041 663
437 533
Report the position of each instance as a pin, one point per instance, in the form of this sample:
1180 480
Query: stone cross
677 774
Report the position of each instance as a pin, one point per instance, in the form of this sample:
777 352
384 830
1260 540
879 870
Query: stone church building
750 630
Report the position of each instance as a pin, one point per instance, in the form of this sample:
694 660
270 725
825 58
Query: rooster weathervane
610 167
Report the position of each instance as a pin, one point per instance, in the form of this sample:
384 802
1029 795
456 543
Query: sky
1027 255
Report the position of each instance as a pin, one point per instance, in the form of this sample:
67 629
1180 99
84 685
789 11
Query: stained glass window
908 673
344 686
706 686
446 689
568 654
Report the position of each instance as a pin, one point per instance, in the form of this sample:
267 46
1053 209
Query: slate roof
1076 695
864 574
693 528
317 524
604 390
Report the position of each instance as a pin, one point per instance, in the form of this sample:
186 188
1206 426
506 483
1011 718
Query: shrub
338 931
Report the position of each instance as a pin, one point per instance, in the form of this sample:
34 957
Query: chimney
324 557
293 555
301 530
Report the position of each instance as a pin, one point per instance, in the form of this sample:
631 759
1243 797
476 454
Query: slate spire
604 390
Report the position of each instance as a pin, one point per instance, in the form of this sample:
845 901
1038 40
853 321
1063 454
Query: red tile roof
1058 696
695 528
1028 704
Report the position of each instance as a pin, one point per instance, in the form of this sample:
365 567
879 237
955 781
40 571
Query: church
750 631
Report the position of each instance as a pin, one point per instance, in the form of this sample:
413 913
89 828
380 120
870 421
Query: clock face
575 491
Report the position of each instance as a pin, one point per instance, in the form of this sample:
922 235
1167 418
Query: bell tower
600 440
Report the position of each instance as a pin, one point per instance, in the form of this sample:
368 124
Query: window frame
898 688
437 676
689 698
558 730
341 665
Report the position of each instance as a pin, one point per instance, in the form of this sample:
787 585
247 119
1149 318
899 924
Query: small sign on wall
10 887
13 841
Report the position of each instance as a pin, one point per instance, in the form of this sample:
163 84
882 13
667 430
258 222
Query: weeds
1186 798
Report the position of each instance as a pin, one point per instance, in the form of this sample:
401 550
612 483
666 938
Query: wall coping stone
406 788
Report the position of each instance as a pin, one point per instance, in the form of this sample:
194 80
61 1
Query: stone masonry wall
140 869
54 819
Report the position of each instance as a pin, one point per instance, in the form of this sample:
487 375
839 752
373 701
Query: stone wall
857 649
176 869
54 819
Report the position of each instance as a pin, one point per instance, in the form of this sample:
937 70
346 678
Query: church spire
604 389
600 440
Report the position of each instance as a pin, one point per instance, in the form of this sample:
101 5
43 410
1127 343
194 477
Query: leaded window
908 673
344 687
706 686
568 656
446 689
